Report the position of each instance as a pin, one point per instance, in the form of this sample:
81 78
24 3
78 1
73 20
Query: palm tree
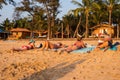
6 24
86 6
54 5
110 6
99 14
51 8
36 13
116 19
66 20
69 23
76 13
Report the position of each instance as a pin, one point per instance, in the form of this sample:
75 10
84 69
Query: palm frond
77 3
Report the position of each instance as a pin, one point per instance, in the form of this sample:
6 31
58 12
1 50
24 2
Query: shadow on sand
55 72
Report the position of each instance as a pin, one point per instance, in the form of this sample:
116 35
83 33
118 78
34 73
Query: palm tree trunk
49 29
68 31
117 31
76 31
48 22
62 30
52 24
110 13
86 35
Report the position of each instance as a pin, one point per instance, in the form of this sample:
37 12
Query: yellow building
19 33
103 29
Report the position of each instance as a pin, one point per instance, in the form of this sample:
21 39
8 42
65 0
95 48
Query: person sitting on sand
31 45
48 45
77 45
100 39
107 43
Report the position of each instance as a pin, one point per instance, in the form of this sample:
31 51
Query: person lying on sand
77 45
48 45
107 43
31 45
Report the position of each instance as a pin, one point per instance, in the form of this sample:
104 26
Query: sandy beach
50 65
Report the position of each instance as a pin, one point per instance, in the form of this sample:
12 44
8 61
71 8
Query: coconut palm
116 18
110 5
98 14
76 13
86 6
6 24
70 24
51 9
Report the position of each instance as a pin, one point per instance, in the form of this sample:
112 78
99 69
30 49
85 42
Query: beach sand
50 65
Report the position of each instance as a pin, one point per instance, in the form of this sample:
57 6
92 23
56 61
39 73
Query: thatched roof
19 30
102 25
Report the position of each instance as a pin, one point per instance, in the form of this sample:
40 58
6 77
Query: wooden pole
62 30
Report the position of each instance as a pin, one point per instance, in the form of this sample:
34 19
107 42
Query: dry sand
49 65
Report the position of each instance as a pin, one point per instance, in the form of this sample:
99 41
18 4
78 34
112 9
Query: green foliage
42 15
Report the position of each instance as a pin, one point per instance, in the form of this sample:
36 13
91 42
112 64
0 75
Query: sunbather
48 45
31 45
77 45
107 43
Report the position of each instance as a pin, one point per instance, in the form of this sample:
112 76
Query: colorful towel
88 49
84 50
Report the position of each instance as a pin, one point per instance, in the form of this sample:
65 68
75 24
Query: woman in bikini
31 45
77 45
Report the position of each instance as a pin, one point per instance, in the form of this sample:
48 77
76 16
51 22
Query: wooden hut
20 33
102 29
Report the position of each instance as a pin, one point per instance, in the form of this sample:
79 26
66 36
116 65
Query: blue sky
7 11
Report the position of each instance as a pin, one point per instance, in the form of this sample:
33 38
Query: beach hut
20 33
102 29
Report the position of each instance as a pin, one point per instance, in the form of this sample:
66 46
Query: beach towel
88 49
114 48
84 50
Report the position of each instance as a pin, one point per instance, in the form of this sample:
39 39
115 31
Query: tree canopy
42 15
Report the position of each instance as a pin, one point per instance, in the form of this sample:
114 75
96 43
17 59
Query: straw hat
79 37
